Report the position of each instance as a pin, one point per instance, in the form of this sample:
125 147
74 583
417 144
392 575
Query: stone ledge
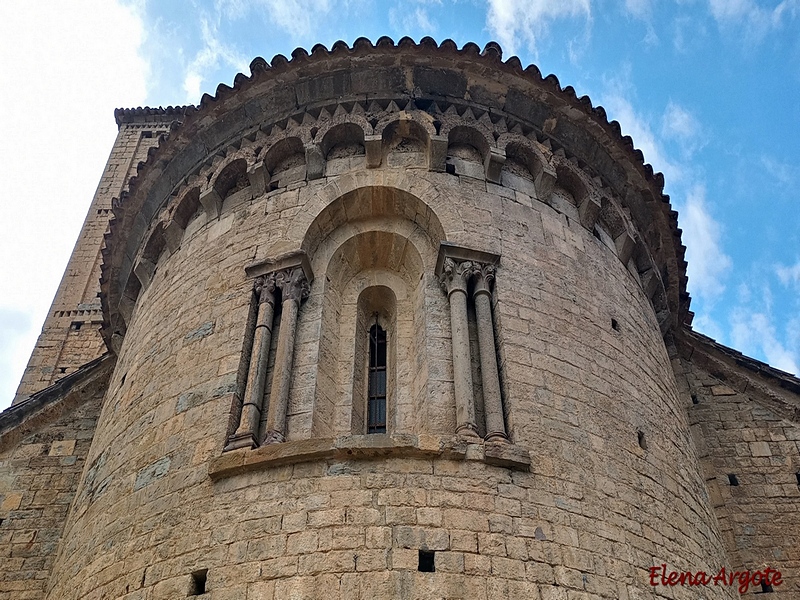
367 447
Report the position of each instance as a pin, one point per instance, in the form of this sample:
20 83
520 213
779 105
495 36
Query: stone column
294 288
454 279
247 433
492 400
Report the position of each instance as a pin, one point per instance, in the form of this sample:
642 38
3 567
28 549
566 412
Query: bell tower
70 336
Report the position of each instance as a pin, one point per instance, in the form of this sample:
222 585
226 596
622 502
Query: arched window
374 364
376 389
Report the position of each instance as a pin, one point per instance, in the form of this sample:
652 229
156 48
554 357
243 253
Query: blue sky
707 89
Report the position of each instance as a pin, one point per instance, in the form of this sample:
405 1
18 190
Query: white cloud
298 18
752 332
756 21
65 67
680 125
636 126
708 264
208 59
641 9
789 276
783 173
408 22
523 23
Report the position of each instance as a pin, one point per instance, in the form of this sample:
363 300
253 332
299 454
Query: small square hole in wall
614 325
76 325
450 169
694 399
798 478
766 588
199 582
641 439
732 479
1 521
426 561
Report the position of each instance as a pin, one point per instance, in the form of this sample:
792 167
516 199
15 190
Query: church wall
40 467
593 512
750 455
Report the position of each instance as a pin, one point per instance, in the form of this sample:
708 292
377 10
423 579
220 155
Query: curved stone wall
598 478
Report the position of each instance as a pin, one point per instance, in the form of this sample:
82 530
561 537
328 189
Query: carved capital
265 287
484 278
293 284
455 275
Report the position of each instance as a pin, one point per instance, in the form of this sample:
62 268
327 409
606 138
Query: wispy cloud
789 276
753 332
405 21
680 125
756 21
213 53
638 127
521 24
641 9
708 263
783 173
298 18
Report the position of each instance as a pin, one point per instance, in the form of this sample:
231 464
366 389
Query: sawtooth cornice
478 87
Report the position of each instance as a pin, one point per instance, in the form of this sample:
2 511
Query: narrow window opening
450 169
732 479
147 134
642 441
76 325
694 399
376 393
596 233
427 561
766 588
1 521
798 478
614 325
199 582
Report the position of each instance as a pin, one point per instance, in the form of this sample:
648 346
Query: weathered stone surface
604 473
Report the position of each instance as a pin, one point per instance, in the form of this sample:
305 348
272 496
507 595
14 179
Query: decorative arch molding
400 196
366 237
334 131
197 153
529 152
413 124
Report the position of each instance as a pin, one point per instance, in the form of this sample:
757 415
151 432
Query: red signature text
744 579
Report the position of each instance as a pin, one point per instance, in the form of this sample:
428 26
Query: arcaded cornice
420 73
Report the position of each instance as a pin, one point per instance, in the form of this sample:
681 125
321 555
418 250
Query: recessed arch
347 132
367 238
231 178
467 135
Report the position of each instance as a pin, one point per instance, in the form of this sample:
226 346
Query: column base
241 440
274 437
468 432
496 437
